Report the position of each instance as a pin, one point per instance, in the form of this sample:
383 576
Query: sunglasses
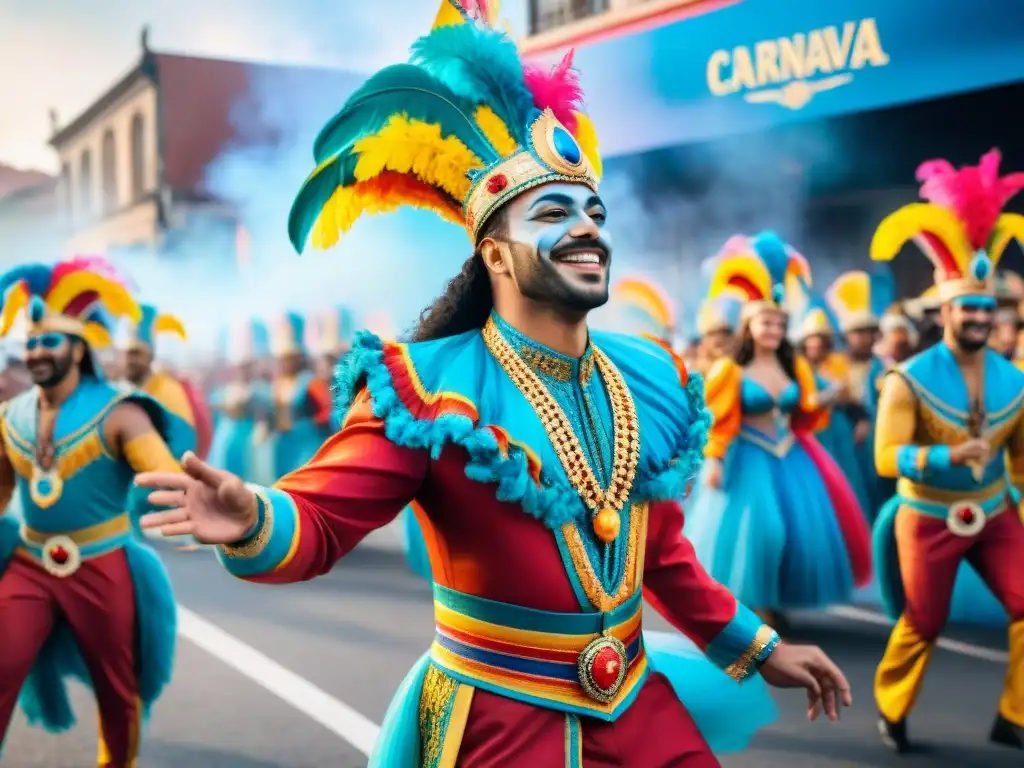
977 304
44 341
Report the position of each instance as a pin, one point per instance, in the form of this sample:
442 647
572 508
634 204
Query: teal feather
883 289
774 252
315 193
482 65
402 89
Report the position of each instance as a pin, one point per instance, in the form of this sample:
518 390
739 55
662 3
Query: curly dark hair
467 302
786 354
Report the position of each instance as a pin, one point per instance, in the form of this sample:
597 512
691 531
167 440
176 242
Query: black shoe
1006 733
894 735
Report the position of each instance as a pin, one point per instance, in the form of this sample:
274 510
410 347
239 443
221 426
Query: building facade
554 24
133 164
29 216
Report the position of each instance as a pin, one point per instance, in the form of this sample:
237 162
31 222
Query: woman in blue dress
243 403
772 516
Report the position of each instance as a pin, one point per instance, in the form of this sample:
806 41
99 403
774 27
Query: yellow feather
495 130
17 300
97 336
170 324
910 221
850 292
115 297
586 137
1009 226
412 146
448 15
746 266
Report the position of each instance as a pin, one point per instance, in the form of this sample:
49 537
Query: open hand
807 666
209 504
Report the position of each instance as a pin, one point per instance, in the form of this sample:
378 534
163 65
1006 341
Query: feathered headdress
461 129
144 332
759 268
721 313
289 335
640 300
80 296
961 228
815 317
859 299
244 342
337 328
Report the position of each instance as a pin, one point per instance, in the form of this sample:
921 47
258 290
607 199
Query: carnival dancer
243 403
1007 324
946 420
547 459
336 329
898 341
718 319
297 433
78 594
772 517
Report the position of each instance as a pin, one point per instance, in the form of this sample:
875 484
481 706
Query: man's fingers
828 669
813 705
160 519
164 480
186 528
167 498
201 471
829 701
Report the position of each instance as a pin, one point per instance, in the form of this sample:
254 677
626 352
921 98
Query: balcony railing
546 15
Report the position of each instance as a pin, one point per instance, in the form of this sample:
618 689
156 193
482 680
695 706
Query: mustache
976 326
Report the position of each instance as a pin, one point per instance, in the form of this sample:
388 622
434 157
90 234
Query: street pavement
353 634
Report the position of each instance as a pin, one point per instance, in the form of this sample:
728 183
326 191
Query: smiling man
545 462
948 420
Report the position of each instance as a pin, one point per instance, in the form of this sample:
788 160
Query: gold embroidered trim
625 425
546 364
256 543
632 576
436 702
740 669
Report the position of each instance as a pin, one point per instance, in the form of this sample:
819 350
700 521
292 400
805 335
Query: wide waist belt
586 663
965 512
63 553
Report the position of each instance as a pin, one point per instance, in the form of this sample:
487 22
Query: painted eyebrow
560 199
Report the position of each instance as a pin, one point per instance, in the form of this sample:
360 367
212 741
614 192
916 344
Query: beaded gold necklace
605 504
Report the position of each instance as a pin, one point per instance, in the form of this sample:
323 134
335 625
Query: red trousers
930 556
655 732
98 603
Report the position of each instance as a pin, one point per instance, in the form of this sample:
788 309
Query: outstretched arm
357 482
130 432
681 590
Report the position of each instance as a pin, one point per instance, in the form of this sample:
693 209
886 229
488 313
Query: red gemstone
966 515
604 669
59 555
497 183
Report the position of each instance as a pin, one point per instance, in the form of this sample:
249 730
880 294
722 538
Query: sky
75 50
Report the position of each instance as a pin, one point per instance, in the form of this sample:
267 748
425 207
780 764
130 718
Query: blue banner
758 63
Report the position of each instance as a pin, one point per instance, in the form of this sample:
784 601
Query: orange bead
606 525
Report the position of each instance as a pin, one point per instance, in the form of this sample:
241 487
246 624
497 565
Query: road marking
946 644
334 715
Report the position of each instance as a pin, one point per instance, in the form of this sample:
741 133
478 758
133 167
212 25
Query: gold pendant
606 524
45 487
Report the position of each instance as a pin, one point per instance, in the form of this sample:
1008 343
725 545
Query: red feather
745 285
975 193
557 89
939 253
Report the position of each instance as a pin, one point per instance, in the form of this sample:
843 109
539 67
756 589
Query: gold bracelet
257 542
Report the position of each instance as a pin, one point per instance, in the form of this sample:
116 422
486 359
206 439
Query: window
85 186
138 157
546 15
108 160
64 192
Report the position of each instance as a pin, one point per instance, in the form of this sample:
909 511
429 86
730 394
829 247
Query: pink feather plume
557 89
975 193
100 265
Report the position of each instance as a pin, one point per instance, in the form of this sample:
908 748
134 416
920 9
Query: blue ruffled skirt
837 439
44 697
727 713
771 535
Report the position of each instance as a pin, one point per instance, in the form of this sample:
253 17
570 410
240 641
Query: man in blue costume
546 461
78 595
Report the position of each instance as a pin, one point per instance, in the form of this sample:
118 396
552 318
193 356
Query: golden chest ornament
605 504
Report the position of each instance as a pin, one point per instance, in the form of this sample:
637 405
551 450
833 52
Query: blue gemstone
44 486
566 146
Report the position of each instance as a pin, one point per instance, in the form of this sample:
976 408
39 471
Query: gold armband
149 453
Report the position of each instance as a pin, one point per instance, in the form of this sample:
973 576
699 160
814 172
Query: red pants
99 605
930 556
655 732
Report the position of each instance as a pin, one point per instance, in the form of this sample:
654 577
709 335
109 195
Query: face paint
49 357
971 320
561 252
